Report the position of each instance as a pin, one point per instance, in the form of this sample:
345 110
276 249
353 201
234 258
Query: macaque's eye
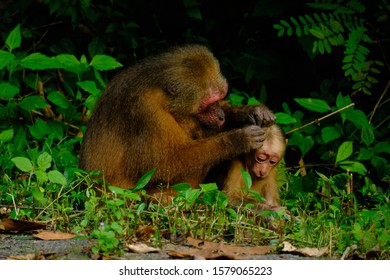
261 158
273 161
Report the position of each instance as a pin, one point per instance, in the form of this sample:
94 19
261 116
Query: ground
24 246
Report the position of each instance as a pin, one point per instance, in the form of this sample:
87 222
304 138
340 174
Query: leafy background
303 59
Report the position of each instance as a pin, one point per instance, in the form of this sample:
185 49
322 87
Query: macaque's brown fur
165 112
262 165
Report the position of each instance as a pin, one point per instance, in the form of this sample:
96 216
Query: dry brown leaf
288 247
142 248
16 225
51 235
310 252
203 254
31 256
212 250
313 252
231 249
183 253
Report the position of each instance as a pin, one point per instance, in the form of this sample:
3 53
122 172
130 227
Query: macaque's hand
260 115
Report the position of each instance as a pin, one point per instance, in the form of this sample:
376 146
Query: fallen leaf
142 248
16 225
247 250
31 256
288 247
183 253
211 250
51 235
313 252
203 254
310 252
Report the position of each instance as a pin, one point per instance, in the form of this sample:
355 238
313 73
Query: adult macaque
165 112
262 165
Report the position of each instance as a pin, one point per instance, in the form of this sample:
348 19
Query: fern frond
330 28
327 28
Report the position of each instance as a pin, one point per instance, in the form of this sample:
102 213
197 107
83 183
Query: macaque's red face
266 158
210 112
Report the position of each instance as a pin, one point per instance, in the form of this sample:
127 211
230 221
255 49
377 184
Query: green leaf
5 58
116 190
181 187
90 86
38 61
58 99
327 46
367 135
14 39
23 164
44 161
315 47
32 103
350 72
41 176
144 180
56 177
6 135
344 151
283 118
343 101
280 32
278 27
255 195
253 101
316 105
8 91
104 62
348 58
236 99
329 134
321 48
304 143
353 166
70 63
246 177
357 231
285 23
39 196
309 19
191 195
140 208
90 101
208 187
303 20
294 21
289 31
357 117
40 129
317 33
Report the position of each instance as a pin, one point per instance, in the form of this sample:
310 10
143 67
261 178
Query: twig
345 254
320 119
379 101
